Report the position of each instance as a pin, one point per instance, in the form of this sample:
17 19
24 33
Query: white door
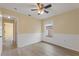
8 34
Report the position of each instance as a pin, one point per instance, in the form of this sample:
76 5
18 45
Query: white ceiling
25 8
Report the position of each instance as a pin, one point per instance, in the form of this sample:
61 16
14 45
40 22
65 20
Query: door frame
14 42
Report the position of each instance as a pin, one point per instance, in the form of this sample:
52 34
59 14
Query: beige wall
0 19
67 23
28 28
26 24
0 34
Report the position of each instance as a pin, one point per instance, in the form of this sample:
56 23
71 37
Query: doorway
9 34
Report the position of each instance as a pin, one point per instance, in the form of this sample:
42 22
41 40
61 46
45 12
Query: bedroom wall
28 28
65 30
0 32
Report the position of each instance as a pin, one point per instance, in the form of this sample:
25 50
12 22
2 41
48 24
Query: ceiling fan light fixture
40 12
40 8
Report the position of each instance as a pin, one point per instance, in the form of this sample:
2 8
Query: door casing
14 42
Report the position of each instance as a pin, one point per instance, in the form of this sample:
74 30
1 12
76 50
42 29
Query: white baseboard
27 39
65 40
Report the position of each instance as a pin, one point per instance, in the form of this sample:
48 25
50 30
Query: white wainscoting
65 40
27 39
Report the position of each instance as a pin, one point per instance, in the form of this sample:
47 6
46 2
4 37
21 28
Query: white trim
65 40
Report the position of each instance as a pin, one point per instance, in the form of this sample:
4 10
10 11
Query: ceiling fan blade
38 4
46 11
48 6
33 9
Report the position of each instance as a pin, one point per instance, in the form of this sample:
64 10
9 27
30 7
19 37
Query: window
48 30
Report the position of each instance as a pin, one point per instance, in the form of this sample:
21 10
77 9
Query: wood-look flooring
40 49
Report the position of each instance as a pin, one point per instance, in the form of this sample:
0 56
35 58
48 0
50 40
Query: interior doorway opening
9 34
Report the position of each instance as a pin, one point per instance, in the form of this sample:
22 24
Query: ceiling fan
40 8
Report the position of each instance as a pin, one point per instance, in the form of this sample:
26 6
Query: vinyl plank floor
40 49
